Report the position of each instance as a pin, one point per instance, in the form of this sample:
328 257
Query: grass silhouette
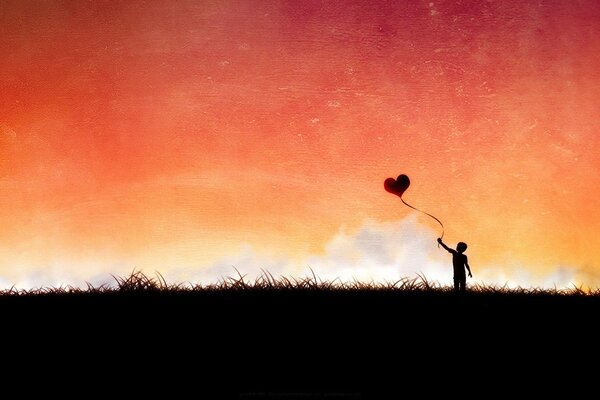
292 334
138 281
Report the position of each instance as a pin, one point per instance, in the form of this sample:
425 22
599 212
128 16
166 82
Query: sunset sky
189 137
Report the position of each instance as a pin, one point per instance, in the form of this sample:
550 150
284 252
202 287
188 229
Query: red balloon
397 186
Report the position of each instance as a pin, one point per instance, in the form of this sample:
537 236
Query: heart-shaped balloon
397 186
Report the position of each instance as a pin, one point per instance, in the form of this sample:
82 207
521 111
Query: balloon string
415 208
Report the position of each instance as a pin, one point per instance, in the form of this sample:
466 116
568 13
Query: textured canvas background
192 136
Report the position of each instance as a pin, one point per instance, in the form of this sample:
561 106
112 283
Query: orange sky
158 134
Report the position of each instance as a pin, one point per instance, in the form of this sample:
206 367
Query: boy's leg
459 285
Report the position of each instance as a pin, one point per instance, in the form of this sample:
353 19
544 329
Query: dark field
311 341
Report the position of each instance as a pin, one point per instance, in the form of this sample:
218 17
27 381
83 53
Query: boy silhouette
459 262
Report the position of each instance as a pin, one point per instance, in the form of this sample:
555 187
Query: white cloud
58 274
383 252
377 251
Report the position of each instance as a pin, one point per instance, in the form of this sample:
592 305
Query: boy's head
461 247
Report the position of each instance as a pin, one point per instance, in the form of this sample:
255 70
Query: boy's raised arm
443 245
